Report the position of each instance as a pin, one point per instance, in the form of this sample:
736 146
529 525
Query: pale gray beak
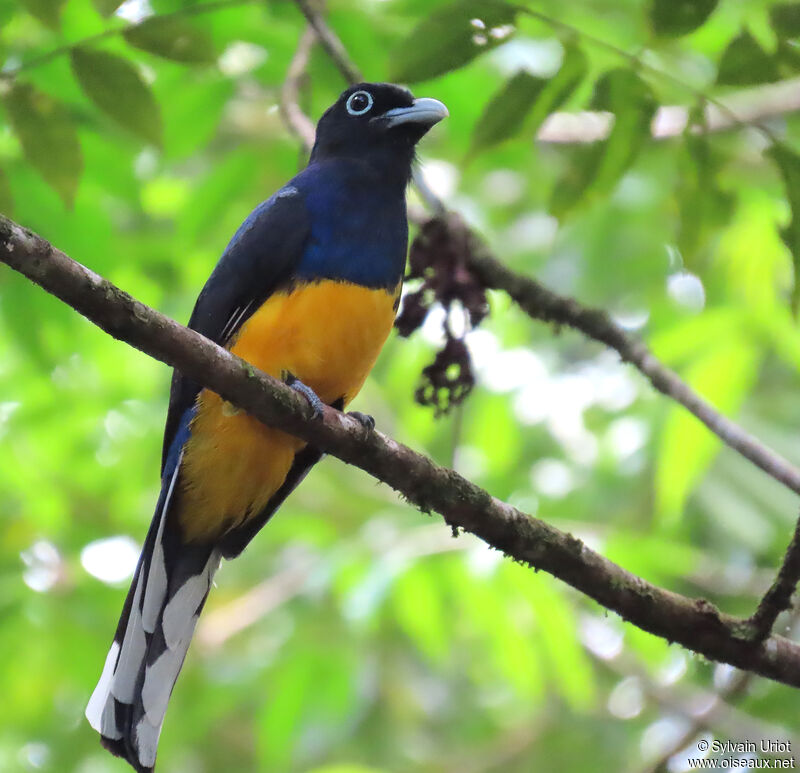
425 112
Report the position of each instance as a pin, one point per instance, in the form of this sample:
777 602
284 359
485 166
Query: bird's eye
359 102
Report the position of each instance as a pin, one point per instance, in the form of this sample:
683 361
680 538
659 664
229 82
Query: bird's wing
259 259
173 576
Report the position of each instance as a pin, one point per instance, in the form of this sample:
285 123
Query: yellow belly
328 334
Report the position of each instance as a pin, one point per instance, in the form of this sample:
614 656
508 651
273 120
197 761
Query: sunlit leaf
679 17
345 768
173 38
47 136
557 627
191 115
450 37
723 377
745 63
660 558
525 100
514 652
117 88
598 168
46 11
420 611
505 113
313 690
6 199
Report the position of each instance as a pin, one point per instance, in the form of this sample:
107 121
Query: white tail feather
94 709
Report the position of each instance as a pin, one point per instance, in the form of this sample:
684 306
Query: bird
307 291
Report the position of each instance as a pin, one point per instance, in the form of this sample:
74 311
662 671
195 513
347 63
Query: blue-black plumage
308 288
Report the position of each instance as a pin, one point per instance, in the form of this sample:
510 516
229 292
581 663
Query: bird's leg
364 419
313 398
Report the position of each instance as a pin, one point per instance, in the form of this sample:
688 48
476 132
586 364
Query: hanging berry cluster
439 256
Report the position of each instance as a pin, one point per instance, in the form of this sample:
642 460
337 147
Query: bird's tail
165 599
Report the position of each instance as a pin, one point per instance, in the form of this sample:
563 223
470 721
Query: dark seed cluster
439 256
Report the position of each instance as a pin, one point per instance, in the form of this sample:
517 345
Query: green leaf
106 7
117 88
451 37
785 19
48 12
557 629
673 18
48 138
704 207
345 768
505 113
789 165
599 167
314 690
723 376
524 94
172 38
745 63
6 200
420 612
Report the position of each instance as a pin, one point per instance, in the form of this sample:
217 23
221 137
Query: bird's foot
313 398
364 419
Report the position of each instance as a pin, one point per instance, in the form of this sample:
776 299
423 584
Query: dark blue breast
359 230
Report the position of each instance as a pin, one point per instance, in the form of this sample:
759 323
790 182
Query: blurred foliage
355 635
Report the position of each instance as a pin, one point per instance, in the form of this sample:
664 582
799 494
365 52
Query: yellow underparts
328 334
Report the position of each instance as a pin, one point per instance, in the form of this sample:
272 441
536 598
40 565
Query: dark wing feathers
173 577
259 258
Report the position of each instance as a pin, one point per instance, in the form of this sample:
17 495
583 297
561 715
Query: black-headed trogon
306 290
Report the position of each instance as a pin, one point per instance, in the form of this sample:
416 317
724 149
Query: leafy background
356 635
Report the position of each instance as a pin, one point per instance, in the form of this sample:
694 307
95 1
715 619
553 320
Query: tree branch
643 65
330 42
540 303
705 720
293 116
743 108
695 624
779 596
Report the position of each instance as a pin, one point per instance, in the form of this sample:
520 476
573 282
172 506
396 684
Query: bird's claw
313 398
364 419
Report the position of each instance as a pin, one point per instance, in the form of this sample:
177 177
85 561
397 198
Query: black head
378 123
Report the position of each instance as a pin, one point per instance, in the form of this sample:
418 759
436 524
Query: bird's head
378 123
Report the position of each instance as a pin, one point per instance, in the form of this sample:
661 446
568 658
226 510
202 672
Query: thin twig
336 51
641 64
713 713
779 596
704 720
746 107
543 304
293 116
221 623
705 710
693 623
330 42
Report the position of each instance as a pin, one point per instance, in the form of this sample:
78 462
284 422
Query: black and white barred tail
165 599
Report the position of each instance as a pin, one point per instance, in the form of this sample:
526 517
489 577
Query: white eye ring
349 103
